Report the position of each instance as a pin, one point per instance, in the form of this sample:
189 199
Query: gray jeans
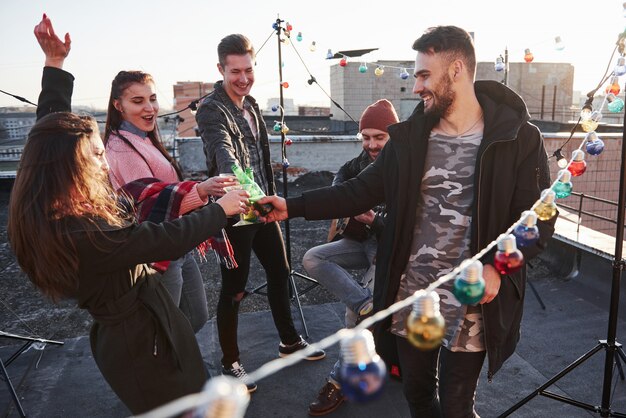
183 281
329 264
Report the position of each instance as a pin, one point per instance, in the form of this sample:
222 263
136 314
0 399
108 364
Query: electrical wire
20 98
314 80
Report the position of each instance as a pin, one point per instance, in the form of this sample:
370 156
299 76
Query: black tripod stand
610 345
295 293
4 364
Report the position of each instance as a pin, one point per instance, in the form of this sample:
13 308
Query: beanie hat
378 116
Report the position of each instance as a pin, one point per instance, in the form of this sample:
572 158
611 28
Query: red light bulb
614 86
578 165
288 141
508 259
285 85
528 56
343 62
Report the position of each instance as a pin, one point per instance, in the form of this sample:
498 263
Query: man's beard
442 98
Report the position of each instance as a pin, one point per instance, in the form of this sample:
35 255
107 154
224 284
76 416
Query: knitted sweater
126 166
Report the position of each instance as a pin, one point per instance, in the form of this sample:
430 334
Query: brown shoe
329 399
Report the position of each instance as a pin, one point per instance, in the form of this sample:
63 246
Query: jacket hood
504 111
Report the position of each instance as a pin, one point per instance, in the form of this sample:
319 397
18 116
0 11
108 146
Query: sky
177 40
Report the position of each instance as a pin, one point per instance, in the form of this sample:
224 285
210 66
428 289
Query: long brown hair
121 82
57 180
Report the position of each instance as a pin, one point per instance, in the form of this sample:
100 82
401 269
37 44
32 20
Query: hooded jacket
510 173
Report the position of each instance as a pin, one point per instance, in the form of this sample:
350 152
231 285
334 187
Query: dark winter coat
511 170
142 343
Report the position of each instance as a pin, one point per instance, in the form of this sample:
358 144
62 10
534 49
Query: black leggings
267 243
447 394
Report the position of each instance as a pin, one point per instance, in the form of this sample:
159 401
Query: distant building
184 93
15 126
354 91
547 88
313 111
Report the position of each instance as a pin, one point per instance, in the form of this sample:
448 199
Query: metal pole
618 266
506 66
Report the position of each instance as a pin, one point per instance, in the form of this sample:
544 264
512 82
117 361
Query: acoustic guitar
349 228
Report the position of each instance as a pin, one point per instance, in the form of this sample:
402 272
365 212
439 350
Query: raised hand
214 186
234 202
56 50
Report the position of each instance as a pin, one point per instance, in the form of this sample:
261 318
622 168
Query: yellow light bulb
546 209
379 71
591 124
425 325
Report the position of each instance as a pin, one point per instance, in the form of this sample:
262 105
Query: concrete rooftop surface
63 380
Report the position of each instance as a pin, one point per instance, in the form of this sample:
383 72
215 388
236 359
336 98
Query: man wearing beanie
352 249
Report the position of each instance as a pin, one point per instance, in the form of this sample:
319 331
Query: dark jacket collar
504 113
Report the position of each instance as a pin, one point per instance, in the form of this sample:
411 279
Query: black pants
267 243
456 378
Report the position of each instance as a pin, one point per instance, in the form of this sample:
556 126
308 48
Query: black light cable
20 98
314 80
558 153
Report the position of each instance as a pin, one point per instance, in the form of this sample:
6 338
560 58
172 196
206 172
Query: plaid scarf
157 201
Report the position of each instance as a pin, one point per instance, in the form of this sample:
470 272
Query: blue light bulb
362 374
526 232
563 187
275 26
499 66
469 285
329 55
593 144
285 163
275 108
404 74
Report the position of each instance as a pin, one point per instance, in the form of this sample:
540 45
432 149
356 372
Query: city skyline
177 42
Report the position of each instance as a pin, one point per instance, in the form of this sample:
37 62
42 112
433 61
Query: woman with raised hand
73 239
135 153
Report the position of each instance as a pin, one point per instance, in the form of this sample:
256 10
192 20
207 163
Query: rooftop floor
63 381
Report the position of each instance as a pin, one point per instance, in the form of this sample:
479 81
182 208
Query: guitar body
348 228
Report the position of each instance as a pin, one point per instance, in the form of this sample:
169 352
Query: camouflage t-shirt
441 237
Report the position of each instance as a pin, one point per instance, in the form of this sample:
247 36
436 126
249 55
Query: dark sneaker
237 370
285 350
329 399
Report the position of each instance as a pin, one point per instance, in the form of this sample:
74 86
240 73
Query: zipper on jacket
154 351
489 372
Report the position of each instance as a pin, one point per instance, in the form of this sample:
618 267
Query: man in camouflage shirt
454 176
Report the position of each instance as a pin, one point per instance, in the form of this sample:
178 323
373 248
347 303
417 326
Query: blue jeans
183 281
328 264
